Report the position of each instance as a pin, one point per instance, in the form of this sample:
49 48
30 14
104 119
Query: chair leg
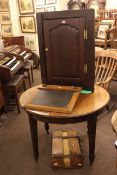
46 125
107 108
4 109
24 85
32 73
29 78
17 101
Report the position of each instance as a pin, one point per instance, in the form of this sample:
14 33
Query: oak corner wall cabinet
67 51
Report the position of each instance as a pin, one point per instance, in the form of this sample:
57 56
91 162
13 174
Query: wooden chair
13 86
113 36
114 125
102 42
105 34
28 68
105 67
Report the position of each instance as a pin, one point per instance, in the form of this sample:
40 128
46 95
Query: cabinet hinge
85 68
85 35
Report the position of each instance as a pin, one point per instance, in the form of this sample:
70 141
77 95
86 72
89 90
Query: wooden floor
16 157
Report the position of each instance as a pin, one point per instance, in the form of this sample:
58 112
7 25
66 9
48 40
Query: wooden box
54 98
66 150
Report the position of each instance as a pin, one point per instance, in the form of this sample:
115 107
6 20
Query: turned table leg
92 136
34 135
46 125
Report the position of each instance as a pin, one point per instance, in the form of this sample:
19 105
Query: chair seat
98 48
17 79
99 40
13 86
114 121
28 65
114 126
102 43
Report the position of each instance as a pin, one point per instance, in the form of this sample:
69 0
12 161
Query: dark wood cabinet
63 56
66 41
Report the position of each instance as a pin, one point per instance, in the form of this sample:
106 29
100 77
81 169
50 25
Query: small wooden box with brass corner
67 149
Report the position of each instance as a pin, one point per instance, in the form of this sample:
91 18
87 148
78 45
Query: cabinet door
64 50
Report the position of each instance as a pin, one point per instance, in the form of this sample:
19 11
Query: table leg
92 136
34 135
46 128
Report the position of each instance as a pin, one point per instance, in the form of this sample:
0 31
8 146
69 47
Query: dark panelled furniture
13 86
17 44
9 65
67 47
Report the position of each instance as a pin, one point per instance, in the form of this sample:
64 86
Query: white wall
14 11
61 5
111 4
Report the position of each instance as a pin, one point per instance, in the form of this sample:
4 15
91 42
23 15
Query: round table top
85 105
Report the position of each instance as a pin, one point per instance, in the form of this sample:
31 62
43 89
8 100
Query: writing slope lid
52 98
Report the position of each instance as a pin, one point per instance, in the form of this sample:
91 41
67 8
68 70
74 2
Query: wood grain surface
51 97
86 103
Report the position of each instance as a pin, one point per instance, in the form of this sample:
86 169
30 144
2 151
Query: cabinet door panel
65 50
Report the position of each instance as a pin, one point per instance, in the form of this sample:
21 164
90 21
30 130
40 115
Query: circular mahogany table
87 108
